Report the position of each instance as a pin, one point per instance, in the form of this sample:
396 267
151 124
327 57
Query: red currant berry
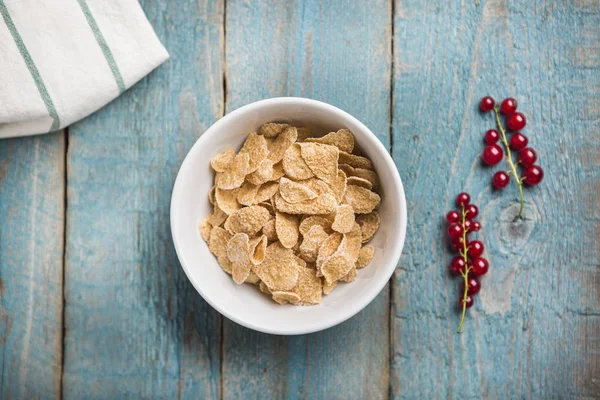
475 248
458 243
508 106
516 122
487 104
492 154
472 211
533 175
500 180
518 141
453 216
468 302
479 266
476 226
468 225
473 288
463 199
527 157
491 136
455 230
457 265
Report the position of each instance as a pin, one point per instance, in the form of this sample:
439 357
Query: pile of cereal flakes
292 212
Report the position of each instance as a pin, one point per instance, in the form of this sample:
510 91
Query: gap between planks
64 263
392 279
224 110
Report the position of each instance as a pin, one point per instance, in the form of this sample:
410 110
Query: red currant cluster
469 264
493 154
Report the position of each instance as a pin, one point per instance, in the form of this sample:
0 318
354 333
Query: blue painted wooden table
93 303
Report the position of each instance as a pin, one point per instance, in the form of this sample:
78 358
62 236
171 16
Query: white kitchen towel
61 60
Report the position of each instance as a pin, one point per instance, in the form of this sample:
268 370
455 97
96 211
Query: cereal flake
312 220
238 249
355 180
350 276
323 204
322 160
227 200
308 287
257 248
369 224
256 147
247 193
336 267
311 242
294 165
279 270
266 191
217 217
294 192
342 139
344 219
222 161
263 173
272 129
224 263
365 256
362 200
248 220
234 176
269 230
205 228
328 287
329 247
217 243
283 141
338 186
286 297
355 161
286 226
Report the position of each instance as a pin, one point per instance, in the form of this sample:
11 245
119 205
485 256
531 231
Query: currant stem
464 274
513 166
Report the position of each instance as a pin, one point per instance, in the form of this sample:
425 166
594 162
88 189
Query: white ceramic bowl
245 304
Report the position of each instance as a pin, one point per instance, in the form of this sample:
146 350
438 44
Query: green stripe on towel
103 45
35 74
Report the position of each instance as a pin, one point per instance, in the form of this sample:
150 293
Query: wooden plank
32 192
535 329
326 51
135 327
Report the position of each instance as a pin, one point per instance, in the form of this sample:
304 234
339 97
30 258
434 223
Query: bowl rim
384 275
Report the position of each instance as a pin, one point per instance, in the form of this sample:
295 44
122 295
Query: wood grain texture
32 191
338 52
534 330
135 327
